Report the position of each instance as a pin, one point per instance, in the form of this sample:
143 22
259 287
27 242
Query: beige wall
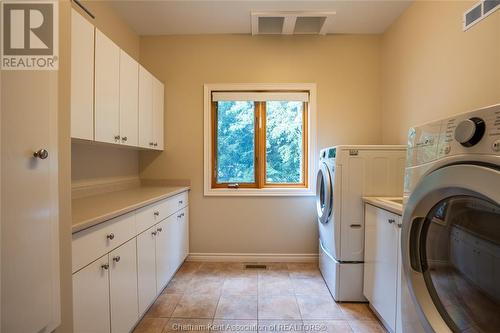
432 69
347 72
90 163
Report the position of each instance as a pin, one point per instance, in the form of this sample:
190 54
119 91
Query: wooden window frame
260 152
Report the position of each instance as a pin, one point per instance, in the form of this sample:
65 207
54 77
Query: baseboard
254 257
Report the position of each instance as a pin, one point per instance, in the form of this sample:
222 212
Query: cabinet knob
154 233
151 143
124 138
179 216
156 144
182 215
180 202
156 213
391 221
117 137
159 229
105 266
116 259
111 236
41 154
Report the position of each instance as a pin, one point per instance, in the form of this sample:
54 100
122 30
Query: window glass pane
235 142
284 147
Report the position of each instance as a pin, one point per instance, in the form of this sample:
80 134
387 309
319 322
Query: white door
91 298
29 202
184 234
82 77
129 99
145 108
123 287
146 268
158 111
107 89
165 251
381 262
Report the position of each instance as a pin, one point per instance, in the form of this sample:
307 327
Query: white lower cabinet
146 268
123 287
381 268
112 292
91 298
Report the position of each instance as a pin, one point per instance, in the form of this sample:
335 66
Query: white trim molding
253 257
207 151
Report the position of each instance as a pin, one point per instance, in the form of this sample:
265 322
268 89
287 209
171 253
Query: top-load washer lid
324 193
451 249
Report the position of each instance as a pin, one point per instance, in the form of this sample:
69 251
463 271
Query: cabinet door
145 108
184 235
129 99
82 77
146 268
158 111
91 298
123 287
384 261
107 89
165 251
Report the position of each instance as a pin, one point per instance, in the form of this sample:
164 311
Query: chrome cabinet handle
182 214
111 236
180 202
179 216
159 229
391 221
117 137
116 259
154 233
156 213
105 266
151 143
41 154
124 138
156 144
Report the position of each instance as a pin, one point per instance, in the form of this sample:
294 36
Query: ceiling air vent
291 23
479 11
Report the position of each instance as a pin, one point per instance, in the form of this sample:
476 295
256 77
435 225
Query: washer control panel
476 132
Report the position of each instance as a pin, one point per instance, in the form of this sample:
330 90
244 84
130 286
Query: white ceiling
173 17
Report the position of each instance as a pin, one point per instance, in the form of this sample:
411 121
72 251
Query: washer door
324 193
451 249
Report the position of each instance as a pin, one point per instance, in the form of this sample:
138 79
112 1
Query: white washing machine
346 174
451 225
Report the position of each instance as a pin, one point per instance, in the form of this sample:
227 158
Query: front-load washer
451 225
345 175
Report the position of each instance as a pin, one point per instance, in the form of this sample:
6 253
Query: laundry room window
259 141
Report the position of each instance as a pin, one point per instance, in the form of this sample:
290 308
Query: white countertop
95 209
387 203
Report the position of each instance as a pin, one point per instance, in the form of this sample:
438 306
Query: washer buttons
496 145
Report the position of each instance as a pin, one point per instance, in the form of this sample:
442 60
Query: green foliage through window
284 147
235 142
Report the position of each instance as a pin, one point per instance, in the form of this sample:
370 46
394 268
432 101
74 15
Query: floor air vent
255 266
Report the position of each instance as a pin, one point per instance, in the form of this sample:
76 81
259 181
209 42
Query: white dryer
346 174
451 225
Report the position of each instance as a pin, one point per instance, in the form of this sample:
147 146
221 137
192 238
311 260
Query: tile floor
226 297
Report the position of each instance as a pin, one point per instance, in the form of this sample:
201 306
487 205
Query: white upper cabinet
82 77
129 100
107 89
145 108
158 110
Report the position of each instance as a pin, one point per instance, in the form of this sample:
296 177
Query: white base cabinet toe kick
120 266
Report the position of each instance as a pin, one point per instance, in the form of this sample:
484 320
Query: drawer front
146 217
169 206
96 241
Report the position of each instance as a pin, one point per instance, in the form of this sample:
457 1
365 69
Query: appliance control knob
470 131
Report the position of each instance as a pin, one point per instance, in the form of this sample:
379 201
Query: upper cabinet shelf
113 99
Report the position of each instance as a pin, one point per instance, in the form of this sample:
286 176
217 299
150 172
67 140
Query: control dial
470 131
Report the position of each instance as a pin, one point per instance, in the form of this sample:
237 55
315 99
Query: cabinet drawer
150 215
96 241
